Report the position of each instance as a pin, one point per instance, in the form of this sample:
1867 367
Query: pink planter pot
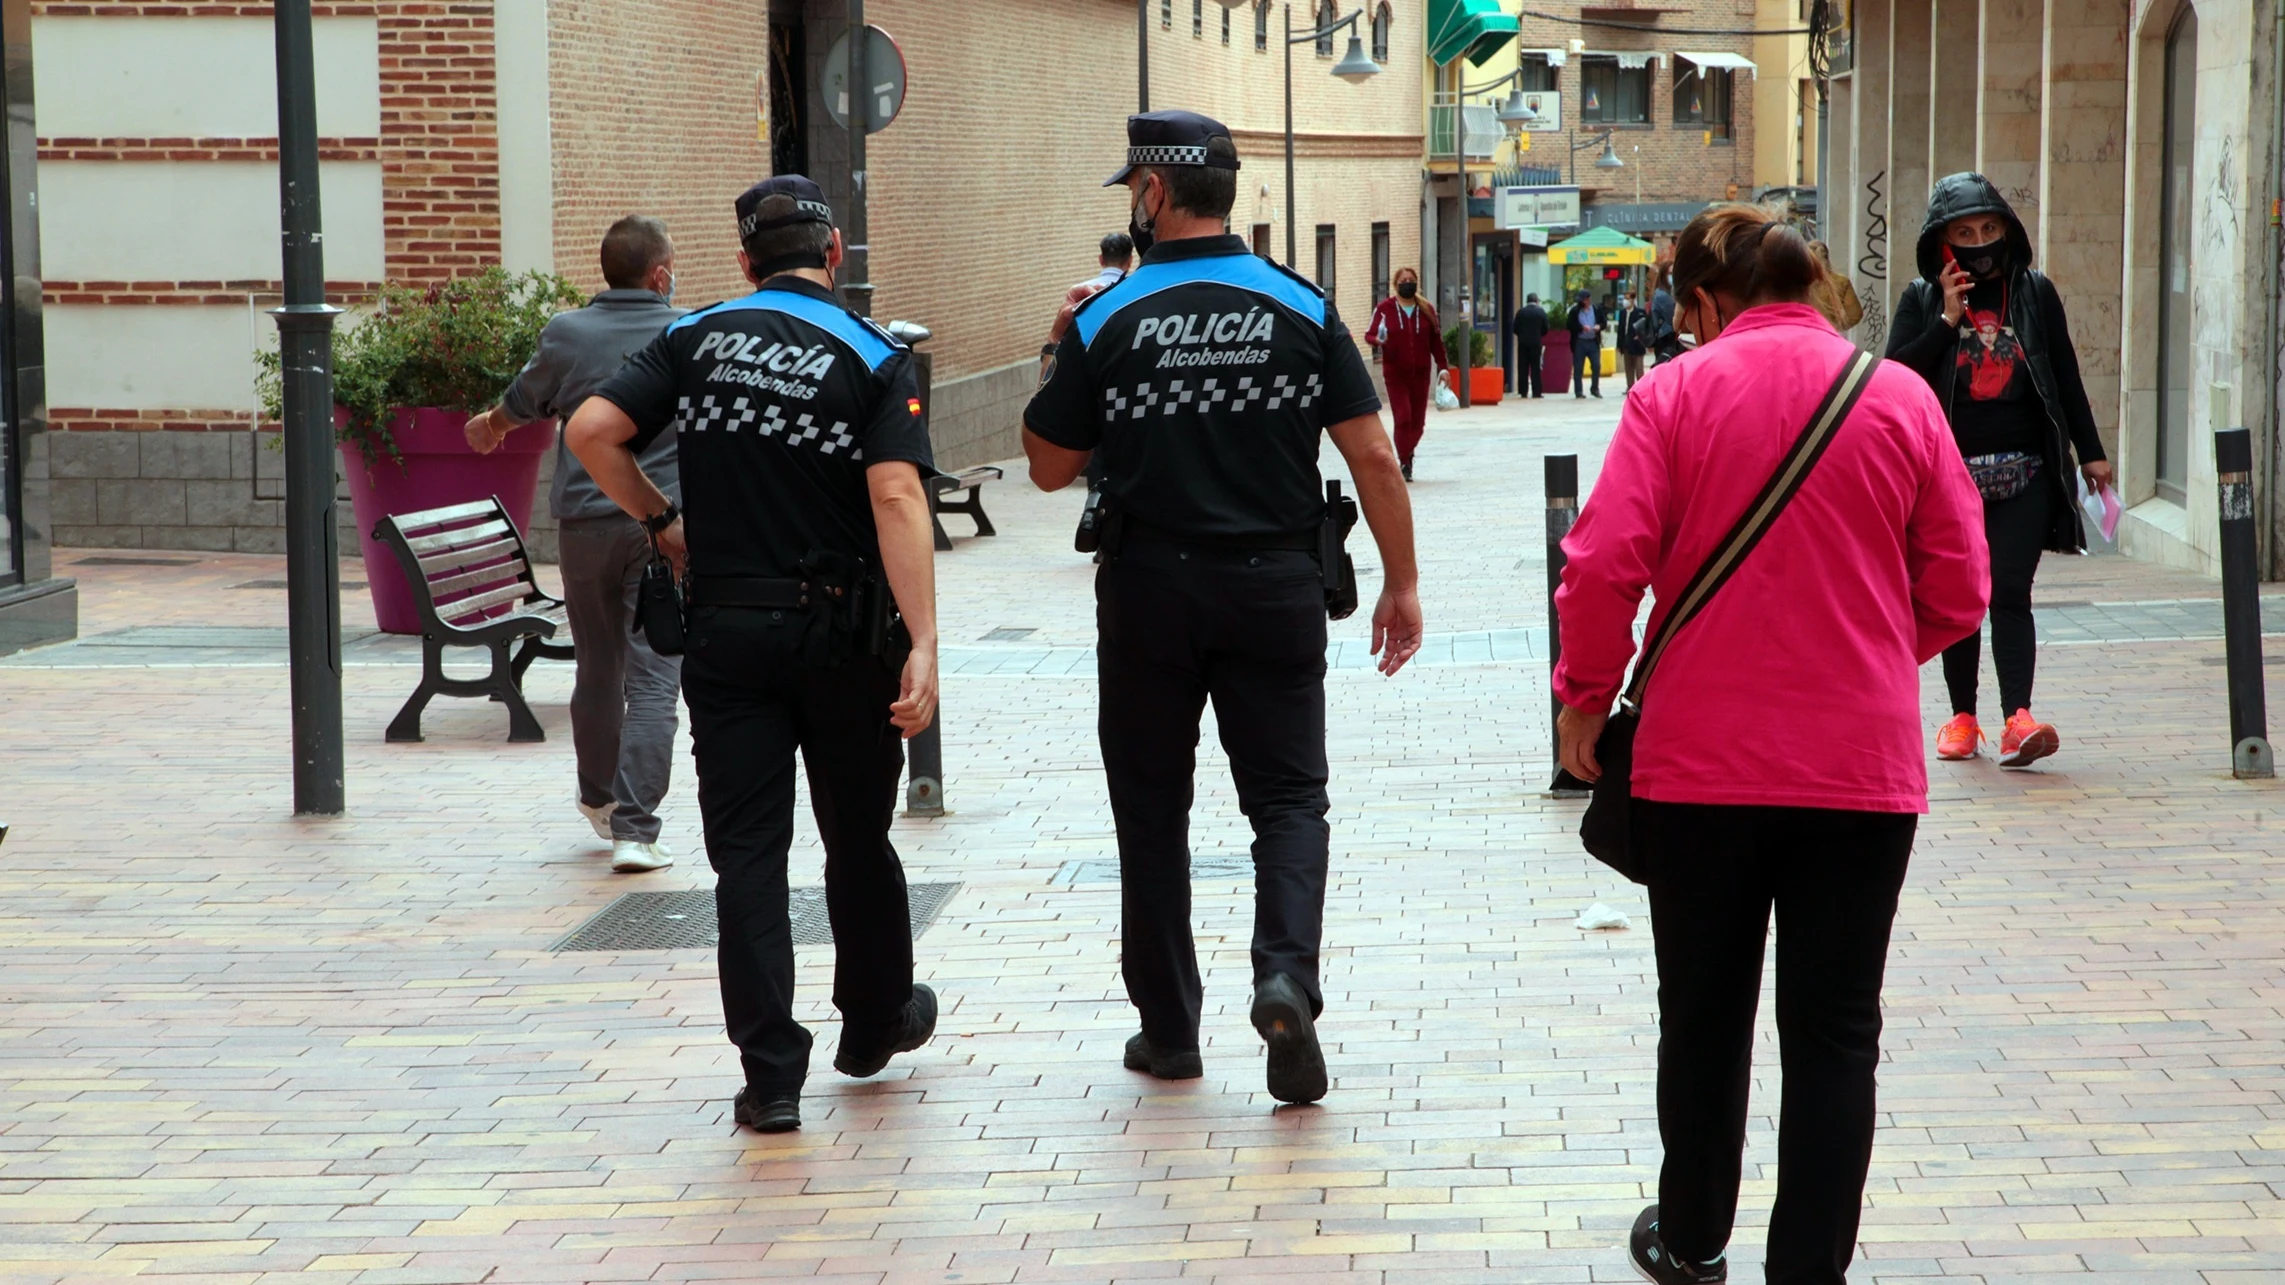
438 469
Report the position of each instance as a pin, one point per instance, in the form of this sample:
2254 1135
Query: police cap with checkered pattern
780 202
1175 138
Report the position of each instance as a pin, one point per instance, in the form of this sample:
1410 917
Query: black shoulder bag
1605 830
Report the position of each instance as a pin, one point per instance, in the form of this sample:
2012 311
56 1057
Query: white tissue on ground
1602 916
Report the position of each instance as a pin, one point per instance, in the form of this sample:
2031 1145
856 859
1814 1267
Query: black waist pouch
658 608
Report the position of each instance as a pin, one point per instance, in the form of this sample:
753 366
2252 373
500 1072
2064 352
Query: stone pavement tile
347 1037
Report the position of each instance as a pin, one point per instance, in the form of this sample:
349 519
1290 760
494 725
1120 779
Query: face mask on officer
1138 227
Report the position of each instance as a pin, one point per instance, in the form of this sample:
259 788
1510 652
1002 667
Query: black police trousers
753 703
1247 629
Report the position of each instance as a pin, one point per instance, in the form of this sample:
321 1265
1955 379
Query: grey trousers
623 695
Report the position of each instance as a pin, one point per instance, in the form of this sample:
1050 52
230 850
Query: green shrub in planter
454 344
1484 350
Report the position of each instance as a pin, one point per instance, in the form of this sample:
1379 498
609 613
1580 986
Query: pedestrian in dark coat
1530 327
1987 331
1586 327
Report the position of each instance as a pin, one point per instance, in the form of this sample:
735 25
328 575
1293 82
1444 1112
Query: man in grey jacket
623 696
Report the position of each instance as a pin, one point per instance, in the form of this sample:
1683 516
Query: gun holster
658 607
1100 526
1333 556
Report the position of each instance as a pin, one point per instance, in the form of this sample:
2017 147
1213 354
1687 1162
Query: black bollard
1562 511
2250 754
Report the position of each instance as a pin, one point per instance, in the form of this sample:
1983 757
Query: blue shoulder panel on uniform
1248 272
863 338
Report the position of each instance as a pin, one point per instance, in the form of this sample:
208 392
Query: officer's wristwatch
663 519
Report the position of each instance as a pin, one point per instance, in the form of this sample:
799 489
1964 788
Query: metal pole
1562 472
1289 215
856 283
1142 53
2251 758
924 779
305 336
1465 298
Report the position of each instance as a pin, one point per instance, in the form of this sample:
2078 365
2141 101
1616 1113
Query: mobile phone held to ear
1950 260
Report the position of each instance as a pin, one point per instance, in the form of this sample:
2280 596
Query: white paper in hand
1602 916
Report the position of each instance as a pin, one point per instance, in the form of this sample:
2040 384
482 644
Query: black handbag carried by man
1605 829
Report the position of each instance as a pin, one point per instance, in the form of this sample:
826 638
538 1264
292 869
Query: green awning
1602 245
1474 29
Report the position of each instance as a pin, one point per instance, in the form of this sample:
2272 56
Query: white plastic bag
1445 398
1601 916
2103 509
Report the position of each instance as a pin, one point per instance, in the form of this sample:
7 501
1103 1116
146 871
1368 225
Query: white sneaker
600 818
632 856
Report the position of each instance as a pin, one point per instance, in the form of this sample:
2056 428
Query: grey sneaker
1660 1267
598 816
633 856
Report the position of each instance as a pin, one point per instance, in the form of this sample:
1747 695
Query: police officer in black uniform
1205 379
802 453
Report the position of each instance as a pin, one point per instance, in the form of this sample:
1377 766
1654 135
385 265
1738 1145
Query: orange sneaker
1959 738
2026 740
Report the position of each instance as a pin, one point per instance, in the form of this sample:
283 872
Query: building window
1380 262
1225 24
1613 95
2177 198
1261 25
1261 241
1166 14
1702 97
1538 76
1198 19
1328 13
1325 258
1383 20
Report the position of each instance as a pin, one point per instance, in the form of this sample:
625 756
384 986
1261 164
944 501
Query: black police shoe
1168 1064
1296 1064
767 1113
1660 1267
867 1059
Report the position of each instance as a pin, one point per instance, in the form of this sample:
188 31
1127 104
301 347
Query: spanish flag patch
912 404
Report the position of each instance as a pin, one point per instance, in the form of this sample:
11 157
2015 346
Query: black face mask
1405 289
1139 228
1983 262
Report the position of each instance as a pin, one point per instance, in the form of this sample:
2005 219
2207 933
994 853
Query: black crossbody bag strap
1775 494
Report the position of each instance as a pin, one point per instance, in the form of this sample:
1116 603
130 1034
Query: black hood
1957 196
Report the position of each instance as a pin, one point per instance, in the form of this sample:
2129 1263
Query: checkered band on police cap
780 202
1176 138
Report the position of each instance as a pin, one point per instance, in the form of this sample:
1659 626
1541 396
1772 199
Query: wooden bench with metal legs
472 584
968 480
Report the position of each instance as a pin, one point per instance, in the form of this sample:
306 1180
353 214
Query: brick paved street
238 1047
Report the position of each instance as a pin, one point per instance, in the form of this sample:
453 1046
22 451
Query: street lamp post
1355 67
856 269
305 326
1514 112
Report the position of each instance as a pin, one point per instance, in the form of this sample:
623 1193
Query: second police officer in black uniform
1205 378
802 452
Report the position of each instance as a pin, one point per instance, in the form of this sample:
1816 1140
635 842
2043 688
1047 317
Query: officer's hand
915 707
675 549
1396 628
1575 737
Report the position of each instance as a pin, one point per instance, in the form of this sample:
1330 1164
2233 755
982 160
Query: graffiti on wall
1872 266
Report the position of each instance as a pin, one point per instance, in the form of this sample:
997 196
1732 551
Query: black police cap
1175 138
779 202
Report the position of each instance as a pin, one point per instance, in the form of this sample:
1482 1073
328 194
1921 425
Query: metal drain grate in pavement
1202 870
685 920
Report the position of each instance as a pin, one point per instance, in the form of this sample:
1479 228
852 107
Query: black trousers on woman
2016 530
1715 874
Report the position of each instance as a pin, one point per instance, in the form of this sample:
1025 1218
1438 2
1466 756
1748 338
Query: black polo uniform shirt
783 399
1204 379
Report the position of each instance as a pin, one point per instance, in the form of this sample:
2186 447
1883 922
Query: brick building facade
514 131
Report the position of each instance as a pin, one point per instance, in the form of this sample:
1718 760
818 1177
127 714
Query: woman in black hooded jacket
1988 334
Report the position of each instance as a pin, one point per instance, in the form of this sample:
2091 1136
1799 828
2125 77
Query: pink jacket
1799 683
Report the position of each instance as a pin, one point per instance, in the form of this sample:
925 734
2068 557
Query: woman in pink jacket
1778 761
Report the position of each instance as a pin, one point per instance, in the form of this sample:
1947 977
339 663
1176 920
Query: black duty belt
1291 541
750 591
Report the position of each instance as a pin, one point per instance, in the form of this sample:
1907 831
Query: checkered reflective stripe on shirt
1214 393
708 412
